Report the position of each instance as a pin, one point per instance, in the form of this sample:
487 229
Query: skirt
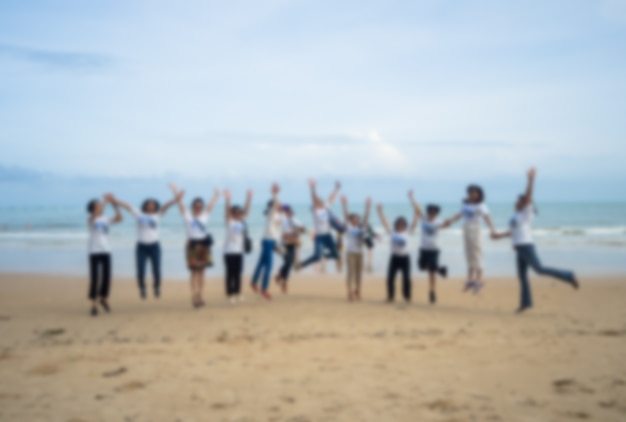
473 248
198 255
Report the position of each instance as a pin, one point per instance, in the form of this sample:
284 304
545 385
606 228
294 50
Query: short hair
400 220
236 209
91 206
432 209
144 205
479 190
197 200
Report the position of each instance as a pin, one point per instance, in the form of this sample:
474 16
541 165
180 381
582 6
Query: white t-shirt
234 237
273 225
473 213
355 236
520 224
321 219
400 243
196 226
147 226
99 235
430 235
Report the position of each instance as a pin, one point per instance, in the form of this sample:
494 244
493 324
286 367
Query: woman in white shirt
322 219
355 234
199 240
235 244
291 230
148 246
400 259
473 211
100 252
520 232
272 235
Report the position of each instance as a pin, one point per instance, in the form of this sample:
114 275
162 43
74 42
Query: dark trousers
100 274
290 256
527 257
402 264
151 252
234 270
322 242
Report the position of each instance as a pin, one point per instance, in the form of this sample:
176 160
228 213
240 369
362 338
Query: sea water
589 238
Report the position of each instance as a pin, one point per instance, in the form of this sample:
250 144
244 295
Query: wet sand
311 356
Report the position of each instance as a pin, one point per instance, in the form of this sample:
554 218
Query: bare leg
200 286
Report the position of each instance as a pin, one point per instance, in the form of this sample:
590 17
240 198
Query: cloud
55 59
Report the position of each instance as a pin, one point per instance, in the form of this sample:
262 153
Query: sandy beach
310 356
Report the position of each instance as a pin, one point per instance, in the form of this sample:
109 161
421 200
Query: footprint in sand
577 415
45 369
443 406
115 372
569 386
130 386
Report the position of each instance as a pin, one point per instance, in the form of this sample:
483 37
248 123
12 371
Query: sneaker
478 286
432 298
241 298
443 271
469 284
232 300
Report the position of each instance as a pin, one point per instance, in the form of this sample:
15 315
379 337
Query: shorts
428 260
198 254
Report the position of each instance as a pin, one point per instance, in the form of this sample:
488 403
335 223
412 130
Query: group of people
282 236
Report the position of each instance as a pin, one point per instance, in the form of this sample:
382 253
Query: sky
432 94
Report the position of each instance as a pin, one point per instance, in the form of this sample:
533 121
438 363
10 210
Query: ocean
589 238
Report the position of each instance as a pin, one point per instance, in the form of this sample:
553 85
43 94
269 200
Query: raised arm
213 201
416 207
417 212
171 202
334 193
122 204
246 207
227 205
366 215
383 219
178 194
344 207
314 197
275 199
530 187
110 199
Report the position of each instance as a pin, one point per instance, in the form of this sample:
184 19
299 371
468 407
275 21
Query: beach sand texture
311 356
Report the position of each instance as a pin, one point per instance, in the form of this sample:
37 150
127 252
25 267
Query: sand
311 356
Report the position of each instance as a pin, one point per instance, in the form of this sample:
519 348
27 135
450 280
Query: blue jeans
527 257
145 252
265 263
323 241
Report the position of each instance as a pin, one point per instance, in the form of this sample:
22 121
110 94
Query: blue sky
437 92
